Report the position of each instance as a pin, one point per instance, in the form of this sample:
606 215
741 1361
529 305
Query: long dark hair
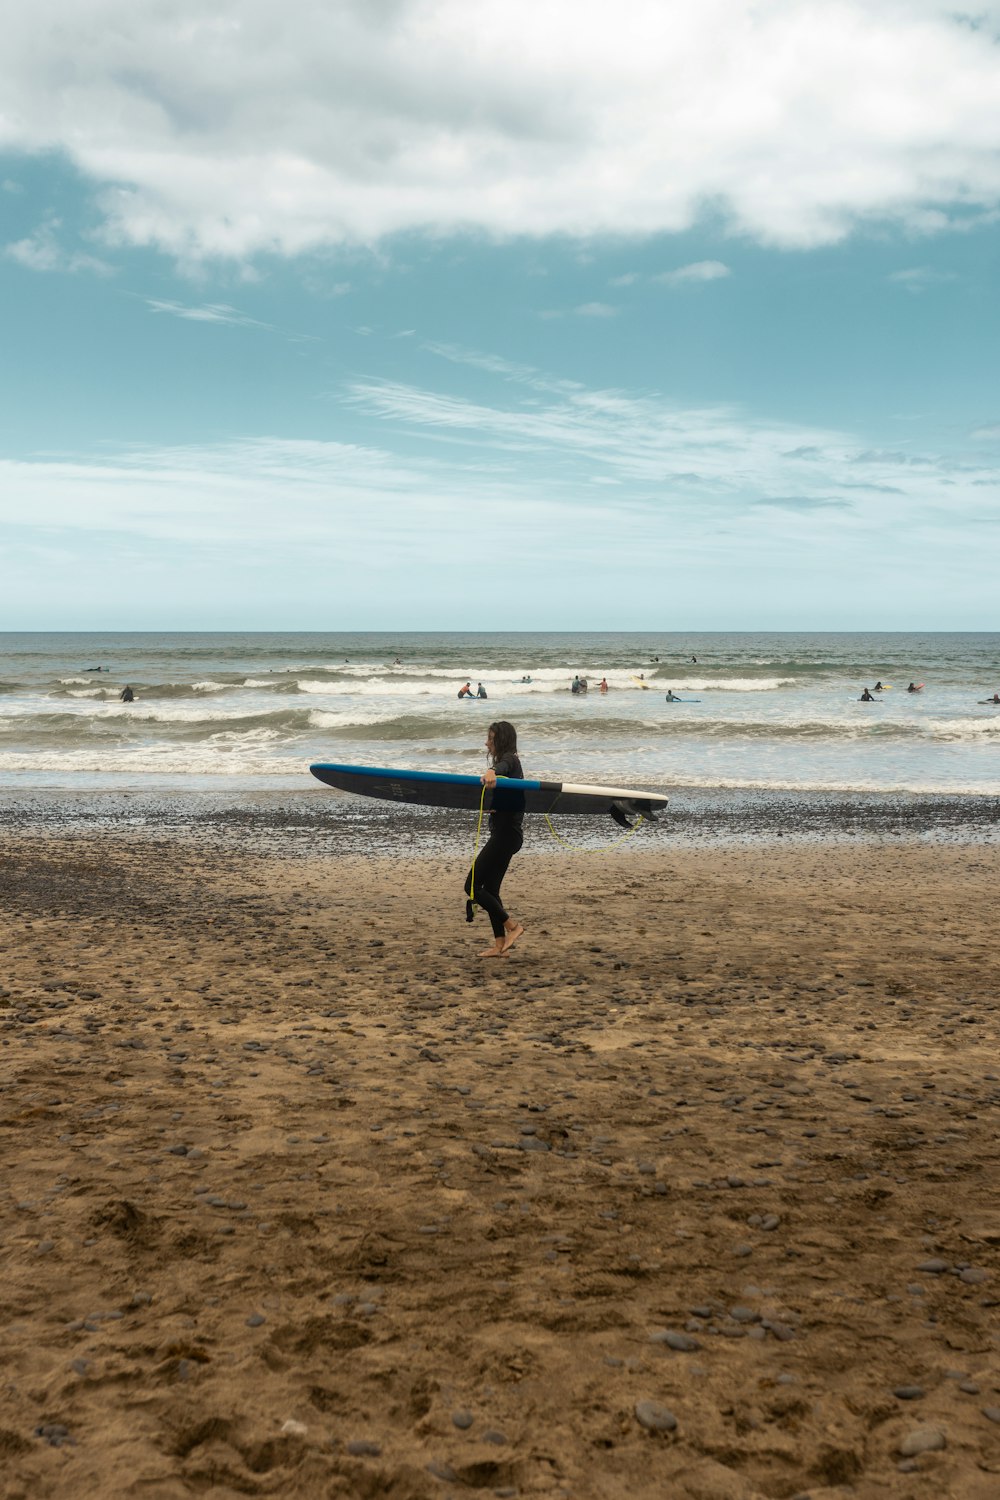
504 739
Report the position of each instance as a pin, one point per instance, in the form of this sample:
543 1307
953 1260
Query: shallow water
773 711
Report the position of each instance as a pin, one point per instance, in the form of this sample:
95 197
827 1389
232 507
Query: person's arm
489 776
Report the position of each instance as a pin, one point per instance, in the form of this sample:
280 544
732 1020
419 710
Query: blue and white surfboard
443 789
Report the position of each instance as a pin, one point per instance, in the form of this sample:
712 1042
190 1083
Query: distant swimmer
879 688
525 679
672 696
694 658
466 691
481 691
578 685
397 662
915 687
603 685
93 669
126 695
866 697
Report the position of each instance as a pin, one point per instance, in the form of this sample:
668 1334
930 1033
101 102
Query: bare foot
495 951
511 936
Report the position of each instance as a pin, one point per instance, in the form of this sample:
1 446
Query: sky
542 314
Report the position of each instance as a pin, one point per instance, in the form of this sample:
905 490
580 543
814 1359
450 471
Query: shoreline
308 822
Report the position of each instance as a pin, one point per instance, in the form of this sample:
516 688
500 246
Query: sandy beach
693 1195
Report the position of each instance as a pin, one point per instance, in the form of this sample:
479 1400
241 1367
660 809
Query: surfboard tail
631 814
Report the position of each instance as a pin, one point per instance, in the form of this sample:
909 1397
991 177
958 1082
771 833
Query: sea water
774 711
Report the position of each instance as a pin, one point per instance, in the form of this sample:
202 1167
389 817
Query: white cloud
210 312
43 252
220 312
257 129
698 270
920 278
620 486
680 466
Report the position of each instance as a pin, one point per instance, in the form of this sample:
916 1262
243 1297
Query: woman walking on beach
506 817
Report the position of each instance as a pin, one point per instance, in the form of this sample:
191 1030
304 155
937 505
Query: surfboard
682 700
988 700
443 789
639 682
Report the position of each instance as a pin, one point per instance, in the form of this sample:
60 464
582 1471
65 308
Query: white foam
328 719
153 760
963 729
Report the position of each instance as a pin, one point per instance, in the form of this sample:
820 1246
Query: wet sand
693 1195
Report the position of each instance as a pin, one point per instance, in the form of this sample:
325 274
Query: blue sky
415 314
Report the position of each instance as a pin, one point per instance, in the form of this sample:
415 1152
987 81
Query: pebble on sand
682 1342
922 1440
654 1417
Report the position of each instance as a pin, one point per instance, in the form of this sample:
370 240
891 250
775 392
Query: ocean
774 711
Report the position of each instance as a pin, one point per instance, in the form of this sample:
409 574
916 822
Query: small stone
462 1419
439 1470
973 1276
54 1433
934 1266
743 1314
908 1392
992 1413
922 1440
654 1417
682 1342
362 1448
491 1435
291 1428
255 1320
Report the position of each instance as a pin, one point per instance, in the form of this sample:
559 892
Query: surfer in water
506 817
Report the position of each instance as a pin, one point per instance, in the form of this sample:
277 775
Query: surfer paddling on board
506 817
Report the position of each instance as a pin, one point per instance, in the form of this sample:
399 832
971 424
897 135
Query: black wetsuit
505 840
